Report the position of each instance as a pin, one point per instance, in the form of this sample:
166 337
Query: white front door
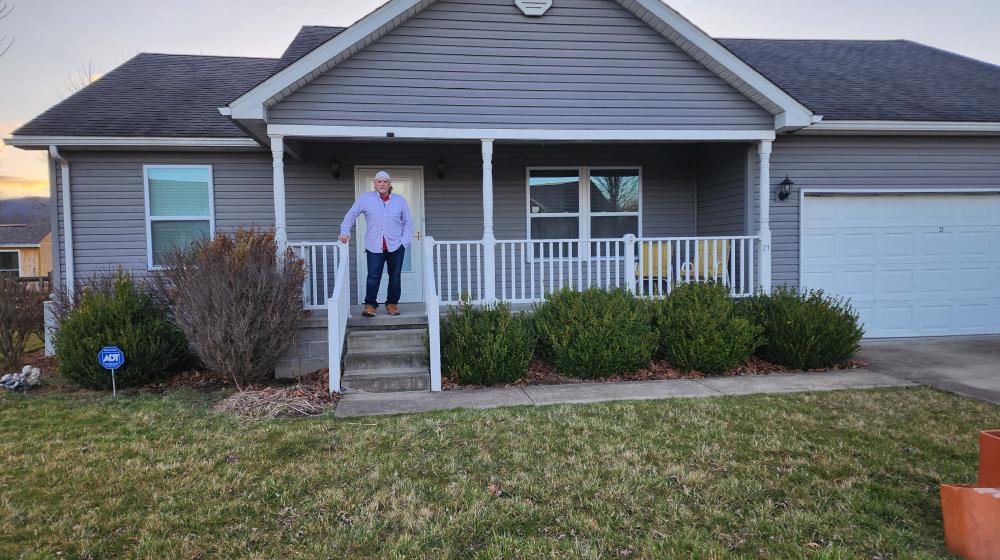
912 264
407 182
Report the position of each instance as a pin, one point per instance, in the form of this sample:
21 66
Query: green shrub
700 329
486 345
117 311
595 334
805 330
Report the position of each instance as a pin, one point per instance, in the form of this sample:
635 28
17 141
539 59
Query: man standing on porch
390 231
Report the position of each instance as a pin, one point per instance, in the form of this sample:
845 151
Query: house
25 250
551 143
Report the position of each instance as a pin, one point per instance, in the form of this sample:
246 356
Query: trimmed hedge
486 345
117 311
700 329
595 334
805 330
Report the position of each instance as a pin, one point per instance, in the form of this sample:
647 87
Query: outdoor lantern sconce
786 188
441 166
335 169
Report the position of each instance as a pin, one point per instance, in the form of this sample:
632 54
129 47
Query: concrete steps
386 354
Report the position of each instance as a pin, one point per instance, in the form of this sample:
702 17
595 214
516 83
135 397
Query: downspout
67 217
54 222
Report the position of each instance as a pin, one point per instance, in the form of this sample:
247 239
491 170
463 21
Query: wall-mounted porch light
441 166
335 169
786 188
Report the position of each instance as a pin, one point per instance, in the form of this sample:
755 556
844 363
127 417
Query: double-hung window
10 264
179 208
583 203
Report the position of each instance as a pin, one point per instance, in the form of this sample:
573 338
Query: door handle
417 235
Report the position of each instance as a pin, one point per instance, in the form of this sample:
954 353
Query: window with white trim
10 263
179 207
584 202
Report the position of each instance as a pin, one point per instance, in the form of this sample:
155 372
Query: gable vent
533 8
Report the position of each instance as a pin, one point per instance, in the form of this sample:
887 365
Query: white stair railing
433 302
338 308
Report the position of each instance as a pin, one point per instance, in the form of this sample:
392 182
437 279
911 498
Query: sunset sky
56 40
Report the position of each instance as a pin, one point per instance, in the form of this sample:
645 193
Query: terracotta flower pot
989 459
971 521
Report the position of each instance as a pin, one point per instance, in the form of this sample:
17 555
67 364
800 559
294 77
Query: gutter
67 217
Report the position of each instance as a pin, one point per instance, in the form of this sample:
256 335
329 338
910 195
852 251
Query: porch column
764 221
489 240
278 166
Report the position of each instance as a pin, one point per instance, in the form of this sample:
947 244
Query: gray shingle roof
165 95
877 80
307 39
23 234
160 95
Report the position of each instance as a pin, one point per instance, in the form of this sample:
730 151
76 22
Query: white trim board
902 128
789 112
567 135
125 141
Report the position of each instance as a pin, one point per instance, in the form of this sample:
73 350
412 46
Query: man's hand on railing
344 238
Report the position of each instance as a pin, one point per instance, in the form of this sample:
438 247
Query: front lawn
831 475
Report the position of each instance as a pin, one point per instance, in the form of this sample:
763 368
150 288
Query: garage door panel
913 265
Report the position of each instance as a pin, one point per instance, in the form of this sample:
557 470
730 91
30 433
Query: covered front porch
516 220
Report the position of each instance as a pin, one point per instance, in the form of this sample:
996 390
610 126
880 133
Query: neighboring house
508 128
25 250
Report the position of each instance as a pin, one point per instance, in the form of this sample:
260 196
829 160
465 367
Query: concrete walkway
368 404
967 365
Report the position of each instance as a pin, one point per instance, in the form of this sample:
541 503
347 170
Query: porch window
179 207
583 203
10 264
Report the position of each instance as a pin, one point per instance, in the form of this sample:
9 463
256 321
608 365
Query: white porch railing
322 258
338 309
528 270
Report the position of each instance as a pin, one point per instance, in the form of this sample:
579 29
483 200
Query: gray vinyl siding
584 64
722 187
869 163
109 209
109 218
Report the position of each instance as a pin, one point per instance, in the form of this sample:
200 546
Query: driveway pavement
968 365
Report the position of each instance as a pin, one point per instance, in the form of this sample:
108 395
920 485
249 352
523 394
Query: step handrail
337 311
433 302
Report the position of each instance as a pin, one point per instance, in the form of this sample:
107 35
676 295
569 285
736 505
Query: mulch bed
543 373
309 397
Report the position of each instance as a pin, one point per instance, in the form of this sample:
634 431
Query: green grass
832 475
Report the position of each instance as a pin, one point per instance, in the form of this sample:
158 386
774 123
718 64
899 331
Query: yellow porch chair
655 269
708 261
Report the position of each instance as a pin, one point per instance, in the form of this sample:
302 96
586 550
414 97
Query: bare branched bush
236 303
21 315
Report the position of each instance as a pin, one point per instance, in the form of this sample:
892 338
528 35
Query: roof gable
788 111
587 64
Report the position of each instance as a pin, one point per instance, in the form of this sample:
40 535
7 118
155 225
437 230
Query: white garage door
913 265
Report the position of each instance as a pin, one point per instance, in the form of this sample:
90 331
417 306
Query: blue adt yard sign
112 358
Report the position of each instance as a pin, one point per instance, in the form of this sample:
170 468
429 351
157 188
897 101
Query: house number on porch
533 7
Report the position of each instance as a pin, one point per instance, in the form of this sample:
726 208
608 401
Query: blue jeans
376 262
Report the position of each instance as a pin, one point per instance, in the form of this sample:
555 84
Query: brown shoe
392 309
368 311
